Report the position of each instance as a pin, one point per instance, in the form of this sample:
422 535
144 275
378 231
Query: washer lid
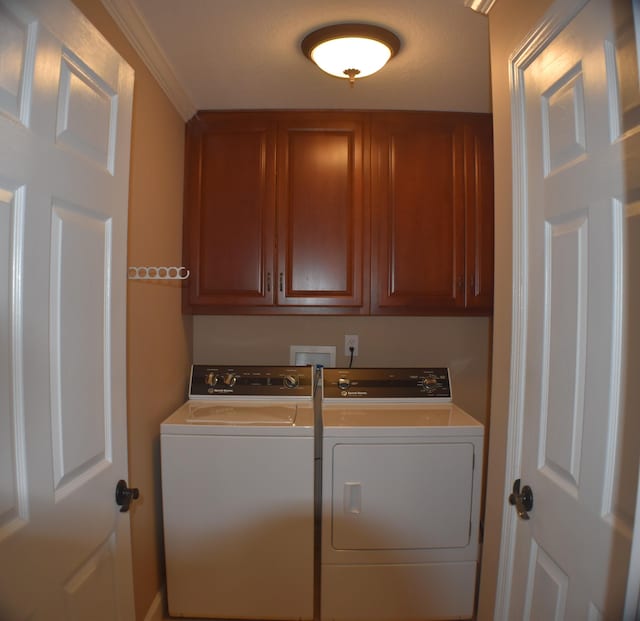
235 417
232 414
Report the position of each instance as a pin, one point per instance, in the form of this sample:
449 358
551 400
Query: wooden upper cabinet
479 212
274 213
418 213
334 212
320 210
230 210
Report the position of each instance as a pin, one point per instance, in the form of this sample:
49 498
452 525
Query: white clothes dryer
238 495
402 471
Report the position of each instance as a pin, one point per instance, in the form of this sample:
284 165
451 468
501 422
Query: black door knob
124 495
522 500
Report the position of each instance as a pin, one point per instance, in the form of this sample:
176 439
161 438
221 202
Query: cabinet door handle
268 282
280 281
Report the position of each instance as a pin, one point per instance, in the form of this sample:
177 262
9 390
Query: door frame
554 20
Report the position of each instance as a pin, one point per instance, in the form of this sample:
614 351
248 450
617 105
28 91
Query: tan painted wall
158 337
461 343
509 23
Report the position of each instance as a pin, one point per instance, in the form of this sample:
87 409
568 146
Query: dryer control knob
290 381
429 384
344 383
428 389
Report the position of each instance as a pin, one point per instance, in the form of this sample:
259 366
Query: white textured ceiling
238 54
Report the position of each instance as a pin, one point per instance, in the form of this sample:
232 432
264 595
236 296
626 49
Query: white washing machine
238 495
402 471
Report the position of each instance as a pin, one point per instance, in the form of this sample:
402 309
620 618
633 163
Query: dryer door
402 496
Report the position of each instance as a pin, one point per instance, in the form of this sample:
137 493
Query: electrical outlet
350 340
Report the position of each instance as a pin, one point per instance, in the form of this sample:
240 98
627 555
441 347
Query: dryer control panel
387 383
210 380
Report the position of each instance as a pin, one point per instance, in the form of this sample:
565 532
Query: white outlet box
302 355
350 340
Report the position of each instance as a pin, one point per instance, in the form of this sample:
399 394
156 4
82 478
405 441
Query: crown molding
133 26
481 6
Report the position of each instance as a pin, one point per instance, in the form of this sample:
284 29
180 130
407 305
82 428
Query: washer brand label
354 393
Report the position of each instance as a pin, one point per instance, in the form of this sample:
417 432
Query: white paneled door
576 395
65 123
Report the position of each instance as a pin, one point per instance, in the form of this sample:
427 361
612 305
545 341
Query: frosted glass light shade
339 55
350 50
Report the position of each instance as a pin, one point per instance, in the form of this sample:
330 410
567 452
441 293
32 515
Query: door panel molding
14 511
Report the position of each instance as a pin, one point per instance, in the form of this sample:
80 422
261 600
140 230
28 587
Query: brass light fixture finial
350 51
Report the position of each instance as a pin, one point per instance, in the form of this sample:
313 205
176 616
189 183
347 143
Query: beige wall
509 23
159 338
461 343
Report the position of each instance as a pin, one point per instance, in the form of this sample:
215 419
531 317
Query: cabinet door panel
479 213
320 212
232 197
418 213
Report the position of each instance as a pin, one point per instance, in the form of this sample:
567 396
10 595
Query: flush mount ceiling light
350 50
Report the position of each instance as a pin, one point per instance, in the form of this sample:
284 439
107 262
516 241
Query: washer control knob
210 379
290 381
229 379
344 383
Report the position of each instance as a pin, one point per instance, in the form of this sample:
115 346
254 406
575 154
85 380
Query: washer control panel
387 383
209 380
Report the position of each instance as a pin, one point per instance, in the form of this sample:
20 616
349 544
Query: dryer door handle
352 497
